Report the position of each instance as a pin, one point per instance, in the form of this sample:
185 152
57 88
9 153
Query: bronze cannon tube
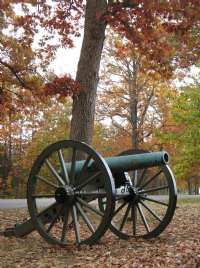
137 161
128 162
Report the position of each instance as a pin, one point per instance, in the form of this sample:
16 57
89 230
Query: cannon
133 194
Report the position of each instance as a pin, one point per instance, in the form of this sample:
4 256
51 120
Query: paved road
21 203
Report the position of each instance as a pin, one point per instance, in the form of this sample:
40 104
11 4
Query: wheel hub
64 194
134 195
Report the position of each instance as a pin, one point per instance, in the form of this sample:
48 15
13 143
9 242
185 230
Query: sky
67 59
66 62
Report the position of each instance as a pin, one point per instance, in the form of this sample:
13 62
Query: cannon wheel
151 204
69 196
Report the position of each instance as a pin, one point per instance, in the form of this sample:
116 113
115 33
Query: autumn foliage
164 33
163 30
61 86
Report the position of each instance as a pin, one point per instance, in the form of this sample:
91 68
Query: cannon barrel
128 162
137 161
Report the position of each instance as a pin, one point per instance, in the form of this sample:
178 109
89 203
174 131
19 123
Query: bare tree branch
14 72
146 108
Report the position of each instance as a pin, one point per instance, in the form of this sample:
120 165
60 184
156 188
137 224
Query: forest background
148 93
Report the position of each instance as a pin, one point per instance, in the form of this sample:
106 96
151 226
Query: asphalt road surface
22 203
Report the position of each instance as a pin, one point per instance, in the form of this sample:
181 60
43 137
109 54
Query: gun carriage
132 194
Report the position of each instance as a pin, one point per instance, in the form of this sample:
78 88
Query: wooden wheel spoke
151 211
48 210
151 179
73 166
119 208
140 180
64 229
46 181
143 218
85 218
76 224
63 166
155 201
54 172
134 218
135 178
55 218
125 216
88 206
154 189
87 181
84 168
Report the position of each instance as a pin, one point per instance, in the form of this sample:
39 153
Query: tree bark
133 94
134 121
189 186
83 108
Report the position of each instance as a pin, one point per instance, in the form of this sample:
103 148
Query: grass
189 201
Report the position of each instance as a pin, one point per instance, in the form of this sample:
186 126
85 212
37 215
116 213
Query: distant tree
130 91
181 131
24 133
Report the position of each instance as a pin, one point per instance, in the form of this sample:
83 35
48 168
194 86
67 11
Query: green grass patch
189 201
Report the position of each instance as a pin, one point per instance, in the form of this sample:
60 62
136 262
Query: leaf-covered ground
177 246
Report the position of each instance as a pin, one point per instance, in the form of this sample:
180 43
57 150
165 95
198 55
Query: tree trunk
189 186
83 108
196 181
133 95
134 119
